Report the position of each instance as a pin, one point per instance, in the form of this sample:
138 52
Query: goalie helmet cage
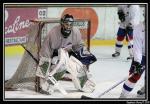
25 77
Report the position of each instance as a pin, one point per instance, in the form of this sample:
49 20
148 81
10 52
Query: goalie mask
66 25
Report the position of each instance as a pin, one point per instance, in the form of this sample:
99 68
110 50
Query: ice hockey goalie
58 65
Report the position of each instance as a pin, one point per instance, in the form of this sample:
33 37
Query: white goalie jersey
55 40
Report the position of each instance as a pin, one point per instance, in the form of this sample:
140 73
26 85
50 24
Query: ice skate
116 54
122 95
141 92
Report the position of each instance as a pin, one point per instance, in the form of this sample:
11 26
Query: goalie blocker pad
80 75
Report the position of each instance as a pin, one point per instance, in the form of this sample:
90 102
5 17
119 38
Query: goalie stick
98 95
51 78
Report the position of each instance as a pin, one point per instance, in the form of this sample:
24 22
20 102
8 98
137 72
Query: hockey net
24 77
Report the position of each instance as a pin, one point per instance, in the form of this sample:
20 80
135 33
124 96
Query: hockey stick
51 78
120 59
97 95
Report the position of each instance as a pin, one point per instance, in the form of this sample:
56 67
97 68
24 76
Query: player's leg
130 83
141 92
119 42
84 56
42 70
54 67
129 39
80 77
74 67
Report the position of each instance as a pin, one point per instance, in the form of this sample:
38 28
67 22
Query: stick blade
85 97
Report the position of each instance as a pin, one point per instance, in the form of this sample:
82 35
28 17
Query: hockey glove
85 57
121 16
137 67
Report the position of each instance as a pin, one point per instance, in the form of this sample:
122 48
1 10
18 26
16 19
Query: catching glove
84 56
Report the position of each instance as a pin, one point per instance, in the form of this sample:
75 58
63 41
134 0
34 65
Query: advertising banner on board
17 23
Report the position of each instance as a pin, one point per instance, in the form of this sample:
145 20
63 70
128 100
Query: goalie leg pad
84 84
46 87
89 86
53 67
59 63
61 71
79 75
59 75
43 67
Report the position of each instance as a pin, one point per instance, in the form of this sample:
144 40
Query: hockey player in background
138 62
129 17
63 50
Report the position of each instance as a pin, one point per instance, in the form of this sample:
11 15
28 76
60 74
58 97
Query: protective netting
24 76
